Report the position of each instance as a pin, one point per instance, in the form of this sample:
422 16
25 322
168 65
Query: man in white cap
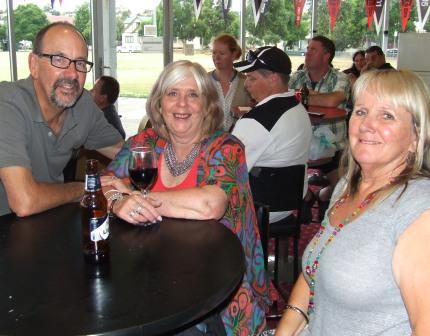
277 131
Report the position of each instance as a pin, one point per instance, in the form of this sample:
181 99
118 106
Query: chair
278 189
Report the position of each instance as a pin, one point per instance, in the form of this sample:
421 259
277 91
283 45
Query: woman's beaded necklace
176 167
312 269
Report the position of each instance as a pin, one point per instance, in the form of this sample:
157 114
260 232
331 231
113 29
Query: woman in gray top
366 272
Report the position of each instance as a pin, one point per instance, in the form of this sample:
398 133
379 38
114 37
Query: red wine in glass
143 178
142 168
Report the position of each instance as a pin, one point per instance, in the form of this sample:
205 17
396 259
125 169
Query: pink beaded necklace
312 269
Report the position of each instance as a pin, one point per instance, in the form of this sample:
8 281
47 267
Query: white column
242 28
386 14
104 38
168 31
11 41
314 28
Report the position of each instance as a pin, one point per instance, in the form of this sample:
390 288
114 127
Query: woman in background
229 83
366 270
358 62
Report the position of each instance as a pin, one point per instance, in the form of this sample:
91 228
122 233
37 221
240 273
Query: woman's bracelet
115 191
298 310
111 206
116 197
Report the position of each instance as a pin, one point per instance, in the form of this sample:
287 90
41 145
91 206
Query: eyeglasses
251 56
63 62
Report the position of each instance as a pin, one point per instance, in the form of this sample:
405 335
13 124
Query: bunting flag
377 15
258 7
198 7
53 1
370 10
423 11
333 10
405 12
298 10
226 4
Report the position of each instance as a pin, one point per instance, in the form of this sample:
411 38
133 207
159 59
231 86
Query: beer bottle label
99 228
92 182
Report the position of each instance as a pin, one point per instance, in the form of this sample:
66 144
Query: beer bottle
95 219
304 92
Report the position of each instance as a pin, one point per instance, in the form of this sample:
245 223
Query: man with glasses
44 119
327 87
277 131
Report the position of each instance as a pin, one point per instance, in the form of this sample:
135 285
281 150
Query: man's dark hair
327 44
109 87
37 43
376 49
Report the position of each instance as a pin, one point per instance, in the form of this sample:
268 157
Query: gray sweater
355 290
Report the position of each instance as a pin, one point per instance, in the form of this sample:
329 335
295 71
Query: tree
29 19
350 30
395 23
276 24
3 37
48 9
351 25
184 21
83 21
209 24
121 16
141 30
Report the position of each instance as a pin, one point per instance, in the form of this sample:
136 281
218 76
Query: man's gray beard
61 104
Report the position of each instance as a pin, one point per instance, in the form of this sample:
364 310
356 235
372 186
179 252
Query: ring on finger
137 210
131 213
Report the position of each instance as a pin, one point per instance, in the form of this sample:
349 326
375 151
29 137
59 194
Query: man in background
375 59
44 119
277 131
105 93
327 87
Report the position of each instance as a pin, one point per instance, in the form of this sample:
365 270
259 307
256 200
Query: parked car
392 52
128 49
296 52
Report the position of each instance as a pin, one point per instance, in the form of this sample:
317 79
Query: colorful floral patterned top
222 163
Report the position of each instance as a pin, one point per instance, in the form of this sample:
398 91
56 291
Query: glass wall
29 17
5 69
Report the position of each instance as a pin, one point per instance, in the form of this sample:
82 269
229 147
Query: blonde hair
403 89
173 73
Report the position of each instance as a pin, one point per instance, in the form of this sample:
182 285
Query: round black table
157 280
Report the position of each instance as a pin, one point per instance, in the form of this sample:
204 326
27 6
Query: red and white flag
405 12
370 10
298 10
333 10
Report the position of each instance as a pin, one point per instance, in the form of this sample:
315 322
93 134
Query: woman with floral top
202 174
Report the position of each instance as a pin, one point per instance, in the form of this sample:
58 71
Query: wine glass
142 168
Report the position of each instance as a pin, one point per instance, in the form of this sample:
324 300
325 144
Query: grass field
137 72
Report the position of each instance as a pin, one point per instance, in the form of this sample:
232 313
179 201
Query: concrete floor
131 111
